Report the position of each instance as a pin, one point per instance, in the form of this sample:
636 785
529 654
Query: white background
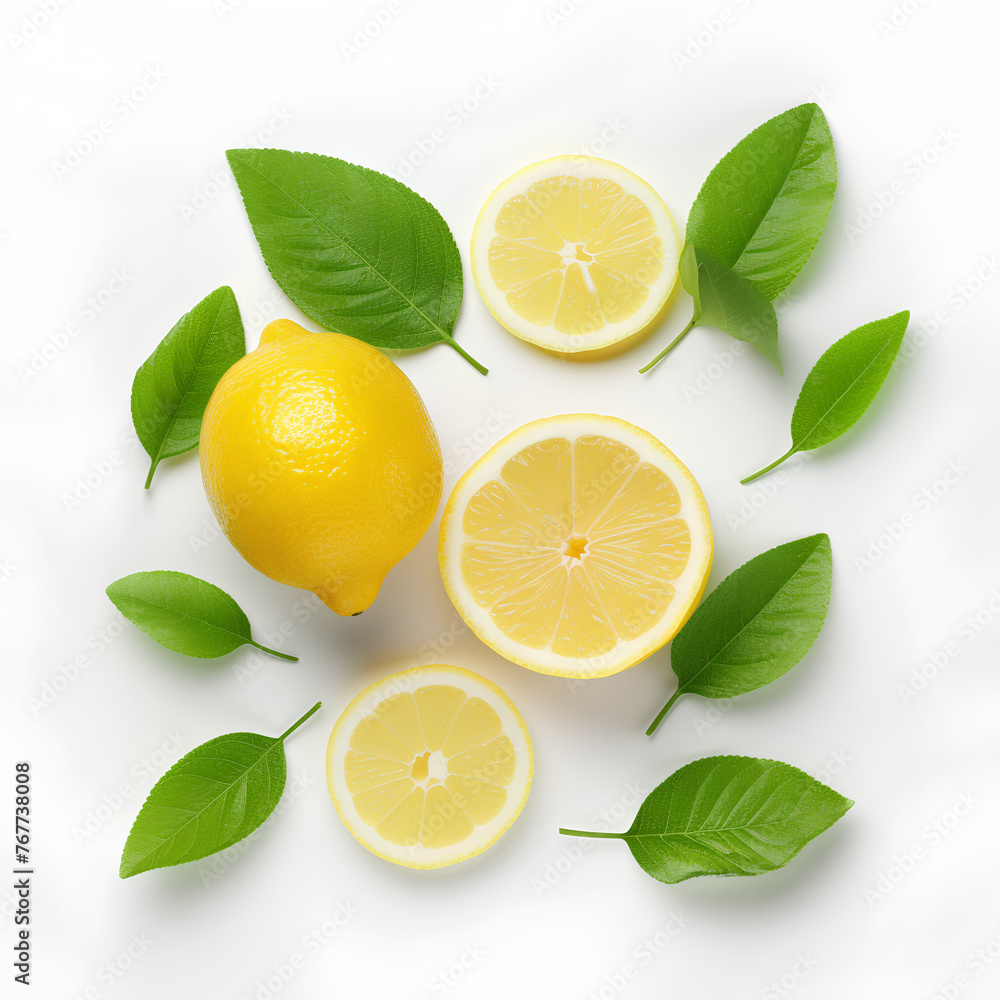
154 201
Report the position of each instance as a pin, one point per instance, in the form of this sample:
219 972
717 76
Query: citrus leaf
728 816
727 301
756 625
760 213
172 388
357 251
764 205
843 384
184 614
209 800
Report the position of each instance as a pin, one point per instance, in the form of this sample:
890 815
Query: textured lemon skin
320 463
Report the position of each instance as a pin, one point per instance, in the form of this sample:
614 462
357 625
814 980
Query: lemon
320 463
429 766
576 546
575 253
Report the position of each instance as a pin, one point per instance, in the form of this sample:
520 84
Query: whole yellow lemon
320 462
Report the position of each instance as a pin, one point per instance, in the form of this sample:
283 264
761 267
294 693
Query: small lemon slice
576 546
429 766
575 253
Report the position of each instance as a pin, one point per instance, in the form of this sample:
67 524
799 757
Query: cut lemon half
429 766
575 253
576 546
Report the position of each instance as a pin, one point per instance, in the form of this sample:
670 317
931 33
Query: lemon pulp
574 253
429 766
576 546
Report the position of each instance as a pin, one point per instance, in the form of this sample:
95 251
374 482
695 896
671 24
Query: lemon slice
574 253
576 546
429 766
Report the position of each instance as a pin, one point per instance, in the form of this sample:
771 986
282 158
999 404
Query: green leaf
727 301
184 614
728 816
355 250
172 388
756 625
764 205
843 384
209 800
760 213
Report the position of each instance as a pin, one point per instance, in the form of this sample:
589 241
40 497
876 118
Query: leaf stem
274 652
666 350
591 833
152 469
468 357
663 711
291 729
768 468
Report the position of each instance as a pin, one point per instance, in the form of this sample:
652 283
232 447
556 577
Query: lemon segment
576 546
575 253
430 766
